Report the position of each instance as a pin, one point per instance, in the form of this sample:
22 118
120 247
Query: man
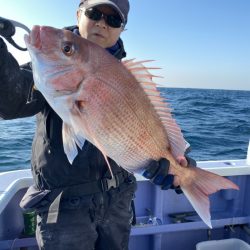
78 206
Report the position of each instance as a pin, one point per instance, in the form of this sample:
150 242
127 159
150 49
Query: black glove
3 51
157 173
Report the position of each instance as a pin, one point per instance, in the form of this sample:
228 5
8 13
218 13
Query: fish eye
68 49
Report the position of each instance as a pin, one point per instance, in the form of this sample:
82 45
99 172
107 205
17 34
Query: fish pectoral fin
197 191
80 104
70 142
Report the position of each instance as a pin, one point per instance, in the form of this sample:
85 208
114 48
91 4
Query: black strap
102 185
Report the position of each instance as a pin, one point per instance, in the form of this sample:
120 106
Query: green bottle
29 223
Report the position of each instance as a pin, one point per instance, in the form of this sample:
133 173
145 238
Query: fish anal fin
200 186
97 144
103 153
107 161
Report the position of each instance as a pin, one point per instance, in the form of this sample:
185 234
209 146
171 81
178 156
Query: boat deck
165 220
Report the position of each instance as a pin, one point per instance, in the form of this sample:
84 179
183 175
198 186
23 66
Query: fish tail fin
202 184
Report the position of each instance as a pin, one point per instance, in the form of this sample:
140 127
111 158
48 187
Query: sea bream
116 106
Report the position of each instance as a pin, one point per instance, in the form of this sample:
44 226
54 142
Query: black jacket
49 163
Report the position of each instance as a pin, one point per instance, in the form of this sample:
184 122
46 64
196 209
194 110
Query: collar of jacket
117 50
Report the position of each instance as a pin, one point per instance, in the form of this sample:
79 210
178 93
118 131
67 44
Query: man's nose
101 23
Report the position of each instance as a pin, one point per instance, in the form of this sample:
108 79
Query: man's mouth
99 35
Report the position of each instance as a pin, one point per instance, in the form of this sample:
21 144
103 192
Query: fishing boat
165 220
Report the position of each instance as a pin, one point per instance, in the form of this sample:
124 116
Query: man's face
98 32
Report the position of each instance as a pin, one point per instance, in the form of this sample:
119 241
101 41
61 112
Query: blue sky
197 43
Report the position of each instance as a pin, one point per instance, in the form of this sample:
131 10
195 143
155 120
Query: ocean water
215 122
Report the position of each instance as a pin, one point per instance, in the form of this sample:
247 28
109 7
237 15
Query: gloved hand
157 172
3 50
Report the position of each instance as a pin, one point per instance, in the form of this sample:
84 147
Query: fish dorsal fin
145 78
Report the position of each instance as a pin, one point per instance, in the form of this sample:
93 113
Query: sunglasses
113 21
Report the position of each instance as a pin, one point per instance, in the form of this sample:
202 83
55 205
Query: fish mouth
34 38
40 37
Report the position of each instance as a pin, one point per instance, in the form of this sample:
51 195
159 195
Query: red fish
116 106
